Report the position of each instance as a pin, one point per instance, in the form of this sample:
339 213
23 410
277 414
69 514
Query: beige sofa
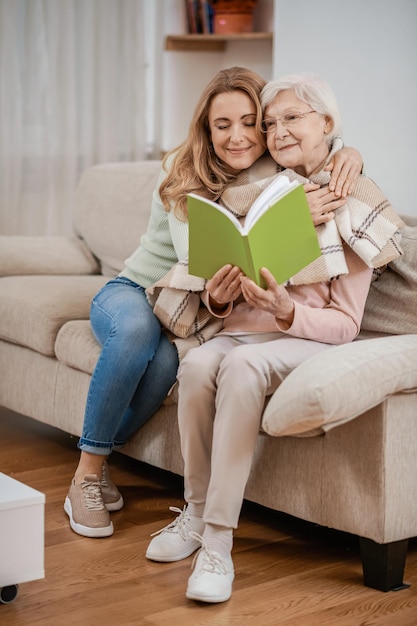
357 474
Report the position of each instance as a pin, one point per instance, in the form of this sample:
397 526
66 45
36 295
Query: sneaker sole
86 531
212 599
114 506
163 558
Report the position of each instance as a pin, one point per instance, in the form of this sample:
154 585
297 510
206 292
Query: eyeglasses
288 120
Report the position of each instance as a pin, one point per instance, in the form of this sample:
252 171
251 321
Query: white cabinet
21 535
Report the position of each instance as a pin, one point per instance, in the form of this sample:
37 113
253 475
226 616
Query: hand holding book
274 299
225 286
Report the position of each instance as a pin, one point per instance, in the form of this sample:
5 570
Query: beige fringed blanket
176 302
367 223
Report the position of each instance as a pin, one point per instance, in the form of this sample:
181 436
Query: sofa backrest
112 208
392 301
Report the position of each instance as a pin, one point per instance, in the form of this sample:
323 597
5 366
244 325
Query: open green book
278 233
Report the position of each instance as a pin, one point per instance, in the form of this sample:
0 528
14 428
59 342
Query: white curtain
72 94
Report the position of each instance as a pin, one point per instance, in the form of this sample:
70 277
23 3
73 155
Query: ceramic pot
233 16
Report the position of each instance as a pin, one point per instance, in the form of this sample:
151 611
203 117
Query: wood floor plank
288 572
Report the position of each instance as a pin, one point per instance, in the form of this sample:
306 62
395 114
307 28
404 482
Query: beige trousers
222 389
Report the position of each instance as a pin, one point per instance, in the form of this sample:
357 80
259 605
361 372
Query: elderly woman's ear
329 125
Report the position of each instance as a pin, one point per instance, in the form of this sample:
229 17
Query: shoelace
92 496
212 561
177 526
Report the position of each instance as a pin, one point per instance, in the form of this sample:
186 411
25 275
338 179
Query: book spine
193 16
206 16
250 266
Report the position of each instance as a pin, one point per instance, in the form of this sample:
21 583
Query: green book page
284 239
214 240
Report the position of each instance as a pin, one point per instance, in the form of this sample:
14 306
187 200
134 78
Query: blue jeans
136 368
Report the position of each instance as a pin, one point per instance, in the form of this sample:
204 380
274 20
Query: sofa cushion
21 255
339 384
76 346
33 308
391 306
113 207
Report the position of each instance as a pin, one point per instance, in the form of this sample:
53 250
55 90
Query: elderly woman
266 334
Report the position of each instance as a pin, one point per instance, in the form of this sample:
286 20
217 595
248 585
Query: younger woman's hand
322 203
345 168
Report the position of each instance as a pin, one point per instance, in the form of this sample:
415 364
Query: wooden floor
288 572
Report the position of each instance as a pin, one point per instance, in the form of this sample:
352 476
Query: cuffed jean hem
96 447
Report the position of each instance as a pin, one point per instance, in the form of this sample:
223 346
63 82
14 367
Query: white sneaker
173 542
213 575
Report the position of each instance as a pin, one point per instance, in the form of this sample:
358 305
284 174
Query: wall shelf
210 42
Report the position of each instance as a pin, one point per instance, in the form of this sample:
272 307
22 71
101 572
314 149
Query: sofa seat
76 346
356 474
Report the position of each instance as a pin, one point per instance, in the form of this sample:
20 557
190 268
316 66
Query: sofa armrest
21 255
341 383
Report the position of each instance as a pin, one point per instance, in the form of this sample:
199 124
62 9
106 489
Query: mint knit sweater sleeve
164 243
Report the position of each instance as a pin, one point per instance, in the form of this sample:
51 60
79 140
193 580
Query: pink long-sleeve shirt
329 312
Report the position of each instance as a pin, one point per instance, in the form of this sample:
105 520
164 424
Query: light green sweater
164 243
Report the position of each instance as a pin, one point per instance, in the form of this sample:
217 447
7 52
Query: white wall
367 51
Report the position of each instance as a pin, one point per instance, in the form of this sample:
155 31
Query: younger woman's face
232 120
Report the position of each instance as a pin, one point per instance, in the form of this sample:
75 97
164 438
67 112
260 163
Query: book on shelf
193 18
206 16
277 233
199 15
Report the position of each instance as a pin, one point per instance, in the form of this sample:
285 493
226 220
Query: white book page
275 190
220 208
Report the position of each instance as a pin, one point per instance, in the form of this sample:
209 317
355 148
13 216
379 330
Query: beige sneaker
85 507
112 498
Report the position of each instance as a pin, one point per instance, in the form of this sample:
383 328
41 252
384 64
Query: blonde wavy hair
195 167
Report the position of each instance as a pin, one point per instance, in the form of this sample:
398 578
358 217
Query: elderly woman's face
296 134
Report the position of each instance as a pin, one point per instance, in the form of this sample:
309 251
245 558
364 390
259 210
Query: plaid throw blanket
176 302
367 222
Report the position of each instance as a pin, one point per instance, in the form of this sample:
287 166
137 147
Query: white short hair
312 90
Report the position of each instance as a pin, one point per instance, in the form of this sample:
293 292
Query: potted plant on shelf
233 16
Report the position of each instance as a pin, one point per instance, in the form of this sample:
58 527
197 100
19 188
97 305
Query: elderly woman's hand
274 299
345 168
322 203
224 286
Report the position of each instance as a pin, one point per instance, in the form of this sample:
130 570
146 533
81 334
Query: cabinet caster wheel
8 594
